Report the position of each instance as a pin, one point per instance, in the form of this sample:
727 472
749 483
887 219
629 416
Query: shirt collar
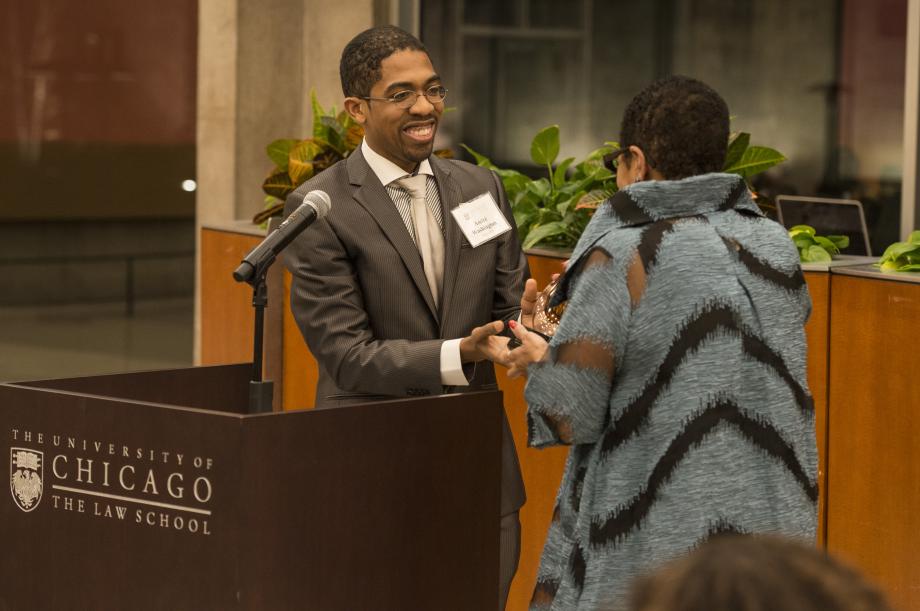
386 170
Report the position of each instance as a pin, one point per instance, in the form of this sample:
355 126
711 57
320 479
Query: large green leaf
897 250
542 232
736 147
545 146
597 154
300 160
569 203
525 214
513 181
481 160
755 160
541 188
346 120
278 184
815 254
559 174
278 151
335 135
807 229
333 124
827 245
914 237
319 130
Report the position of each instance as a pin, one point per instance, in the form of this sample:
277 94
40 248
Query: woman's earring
638 178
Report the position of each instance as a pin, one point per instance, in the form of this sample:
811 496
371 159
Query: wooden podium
156 491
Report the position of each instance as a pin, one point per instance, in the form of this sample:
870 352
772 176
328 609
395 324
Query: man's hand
532 349
528 302
484 343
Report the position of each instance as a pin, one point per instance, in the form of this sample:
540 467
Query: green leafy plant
746 159
553 210
902 256
335 136
815 248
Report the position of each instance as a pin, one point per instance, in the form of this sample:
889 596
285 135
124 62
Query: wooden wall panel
873 517
300 370
817 330
227 317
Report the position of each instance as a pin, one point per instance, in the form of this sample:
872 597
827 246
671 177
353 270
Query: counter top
870 271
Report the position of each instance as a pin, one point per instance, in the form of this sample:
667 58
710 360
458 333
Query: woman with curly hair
677 371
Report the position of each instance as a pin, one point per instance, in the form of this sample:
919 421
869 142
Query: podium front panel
117 505
390 506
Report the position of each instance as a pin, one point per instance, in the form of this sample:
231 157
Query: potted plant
553 210
902 256
815 248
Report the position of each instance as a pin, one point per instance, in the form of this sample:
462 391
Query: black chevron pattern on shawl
628 210
578 567
757 267
650 241
757 349
723 526
759 433
653 235
734 195
714 317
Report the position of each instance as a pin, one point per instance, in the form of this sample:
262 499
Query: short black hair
359 67
681 124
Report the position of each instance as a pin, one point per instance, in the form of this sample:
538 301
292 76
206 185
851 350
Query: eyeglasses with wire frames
406 98
611 160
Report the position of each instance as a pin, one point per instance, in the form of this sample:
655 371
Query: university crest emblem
26 477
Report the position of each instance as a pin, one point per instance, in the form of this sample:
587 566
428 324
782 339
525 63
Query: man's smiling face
405 136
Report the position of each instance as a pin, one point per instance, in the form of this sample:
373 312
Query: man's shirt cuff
451 365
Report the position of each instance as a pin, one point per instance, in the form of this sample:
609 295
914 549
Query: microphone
315 205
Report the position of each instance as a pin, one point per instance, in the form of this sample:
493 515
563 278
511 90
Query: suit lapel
371 195
451 196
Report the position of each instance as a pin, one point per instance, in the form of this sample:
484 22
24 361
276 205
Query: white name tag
480 219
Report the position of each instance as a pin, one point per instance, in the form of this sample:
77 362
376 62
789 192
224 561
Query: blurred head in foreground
750 573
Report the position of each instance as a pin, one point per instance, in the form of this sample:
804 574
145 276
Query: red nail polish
512 324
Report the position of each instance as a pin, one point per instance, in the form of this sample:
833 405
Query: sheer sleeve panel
568 391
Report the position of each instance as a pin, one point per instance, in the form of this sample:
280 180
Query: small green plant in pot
902 256
815 248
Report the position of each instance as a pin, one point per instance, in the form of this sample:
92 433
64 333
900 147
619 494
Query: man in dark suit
393 297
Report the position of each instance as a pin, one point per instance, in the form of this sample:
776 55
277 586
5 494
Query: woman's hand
532 349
